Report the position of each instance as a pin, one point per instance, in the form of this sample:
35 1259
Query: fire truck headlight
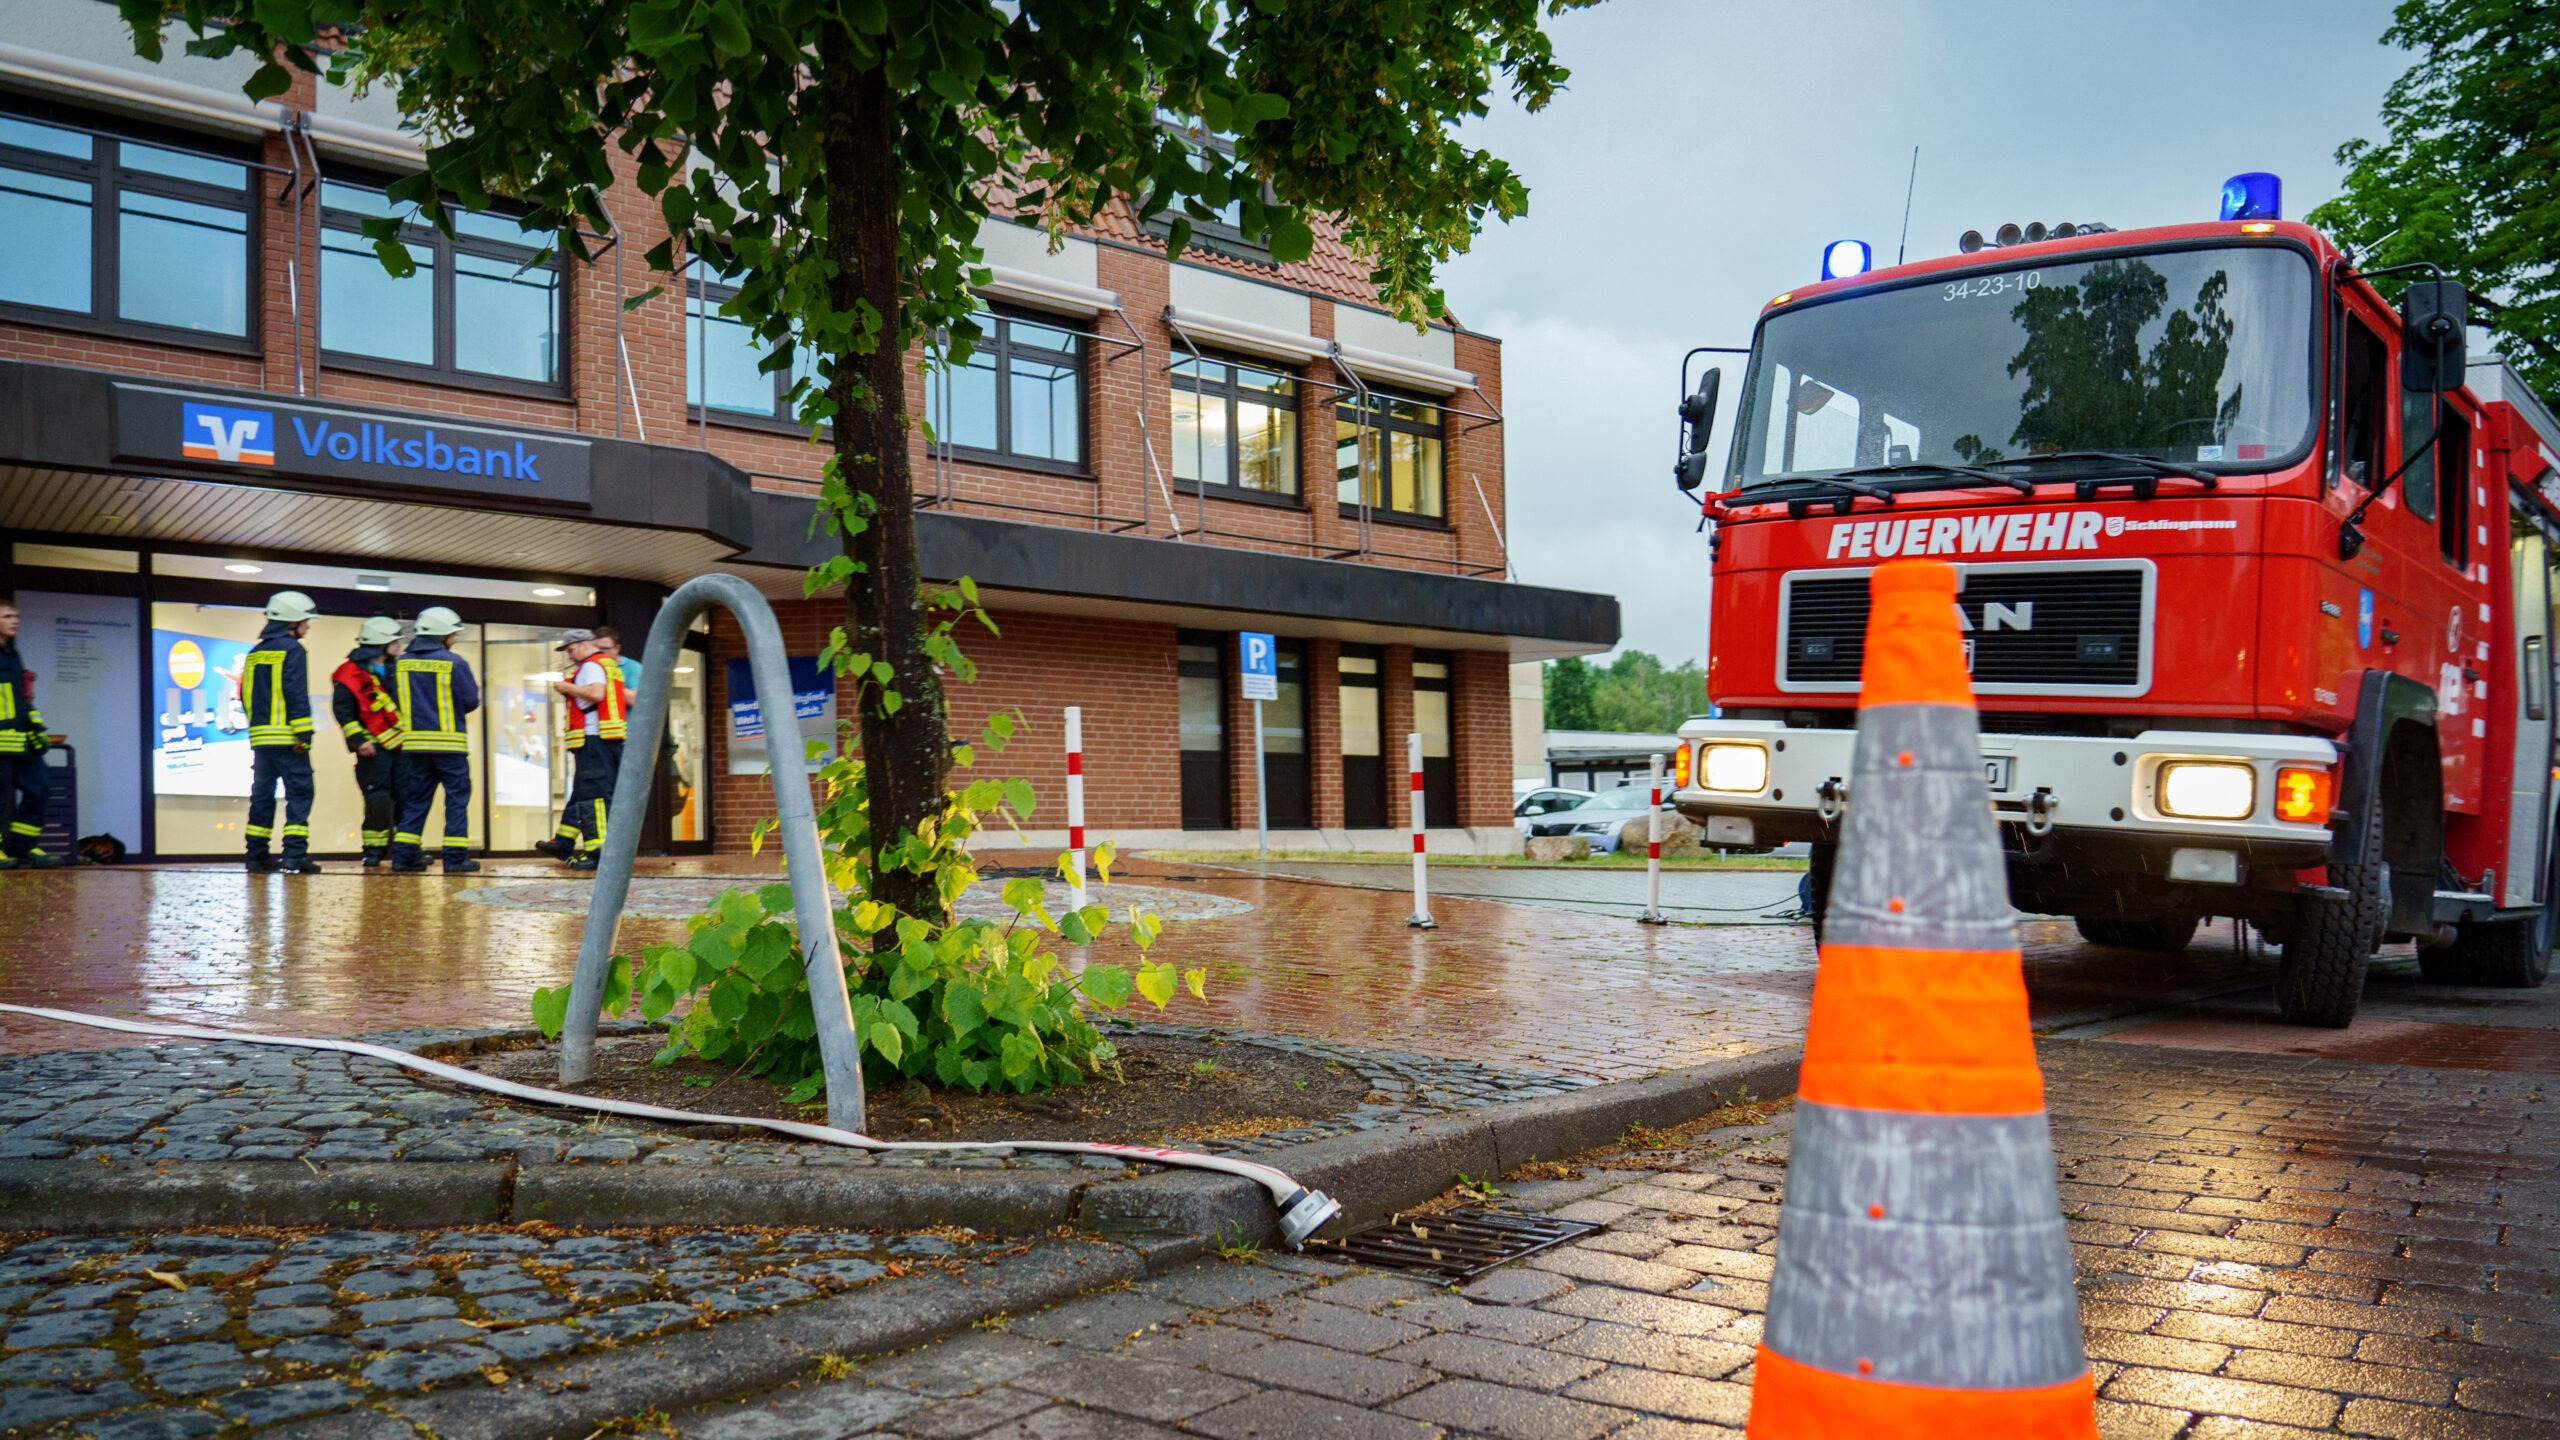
1739 769
2208 790
2303 795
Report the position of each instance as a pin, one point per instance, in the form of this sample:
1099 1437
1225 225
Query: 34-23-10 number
1976 289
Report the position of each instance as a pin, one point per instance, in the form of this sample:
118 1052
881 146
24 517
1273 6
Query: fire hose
1301 1210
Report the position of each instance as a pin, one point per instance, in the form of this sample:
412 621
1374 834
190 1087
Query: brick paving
2267 1246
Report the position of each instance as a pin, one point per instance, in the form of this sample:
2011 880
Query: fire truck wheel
2320 980
2509 954
1817 870
2167 934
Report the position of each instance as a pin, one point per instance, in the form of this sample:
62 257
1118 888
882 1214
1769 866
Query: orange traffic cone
1923 1283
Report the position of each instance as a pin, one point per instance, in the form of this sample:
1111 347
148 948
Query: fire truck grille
2028 629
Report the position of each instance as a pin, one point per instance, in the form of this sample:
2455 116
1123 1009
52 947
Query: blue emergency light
1843 258
2254 196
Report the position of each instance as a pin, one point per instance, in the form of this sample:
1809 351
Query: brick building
210 389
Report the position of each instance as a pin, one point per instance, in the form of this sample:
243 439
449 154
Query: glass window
125 233
1020 396
689 801
1234 425
485 302
726 363
1398 444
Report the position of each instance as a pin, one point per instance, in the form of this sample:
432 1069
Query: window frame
712 294
1230 393
1373 409
997 321
108 180
417 234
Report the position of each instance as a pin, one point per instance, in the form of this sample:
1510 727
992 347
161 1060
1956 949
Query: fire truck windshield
2199 357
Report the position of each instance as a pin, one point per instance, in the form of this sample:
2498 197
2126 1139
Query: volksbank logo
226 433
237 436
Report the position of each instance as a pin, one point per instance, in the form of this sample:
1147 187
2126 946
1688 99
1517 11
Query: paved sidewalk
2267 1247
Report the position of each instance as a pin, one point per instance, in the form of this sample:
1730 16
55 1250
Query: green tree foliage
1635 692
2090 385
2467 173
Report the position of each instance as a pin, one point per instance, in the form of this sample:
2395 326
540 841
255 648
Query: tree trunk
906 754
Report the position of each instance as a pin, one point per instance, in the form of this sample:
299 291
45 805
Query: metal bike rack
838 1048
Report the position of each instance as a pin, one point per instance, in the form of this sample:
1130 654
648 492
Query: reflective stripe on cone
1923 1284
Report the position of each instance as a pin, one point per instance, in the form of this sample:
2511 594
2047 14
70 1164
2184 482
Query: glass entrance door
1202 686
520 725
1364 763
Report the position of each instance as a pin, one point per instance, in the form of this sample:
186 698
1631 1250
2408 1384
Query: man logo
228 434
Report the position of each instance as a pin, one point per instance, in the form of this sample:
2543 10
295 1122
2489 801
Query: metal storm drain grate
1460 1244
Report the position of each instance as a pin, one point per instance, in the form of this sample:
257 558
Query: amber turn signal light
2303 795
1680 768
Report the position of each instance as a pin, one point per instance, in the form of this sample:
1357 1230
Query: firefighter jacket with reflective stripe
275 690
436 692
21 728
365 709
607 712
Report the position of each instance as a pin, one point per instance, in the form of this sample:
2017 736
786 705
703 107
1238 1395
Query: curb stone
1372 1174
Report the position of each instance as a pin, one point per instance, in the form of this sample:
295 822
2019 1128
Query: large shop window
1431 719
122 234
1235 427
1397 443
1201 685
483 303
727 360
1020 399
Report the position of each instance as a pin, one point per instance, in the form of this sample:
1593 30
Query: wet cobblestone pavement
2267 1247
168 1335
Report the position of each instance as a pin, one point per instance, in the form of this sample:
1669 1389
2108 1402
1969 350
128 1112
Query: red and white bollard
1075 805
1421 917
1653 852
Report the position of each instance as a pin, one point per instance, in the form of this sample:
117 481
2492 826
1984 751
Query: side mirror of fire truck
1697 424
2433 319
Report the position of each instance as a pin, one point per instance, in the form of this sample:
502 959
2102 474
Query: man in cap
360 696
24 781
275 693
597 699
436 693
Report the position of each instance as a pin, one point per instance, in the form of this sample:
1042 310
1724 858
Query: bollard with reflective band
1075 804
1653 851
1421 917
1923 1284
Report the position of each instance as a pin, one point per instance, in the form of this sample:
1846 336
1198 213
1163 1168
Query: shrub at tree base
979 1004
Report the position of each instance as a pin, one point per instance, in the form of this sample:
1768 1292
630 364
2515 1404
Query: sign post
1259 657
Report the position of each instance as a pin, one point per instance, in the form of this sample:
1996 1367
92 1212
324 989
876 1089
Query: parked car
1599 819
1541 800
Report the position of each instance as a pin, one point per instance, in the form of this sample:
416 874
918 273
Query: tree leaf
886 1039
1107 985
551 1011
1156 983
1197 982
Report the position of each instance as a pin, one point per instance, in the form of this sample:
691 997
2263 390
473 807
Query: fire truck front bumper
2183 806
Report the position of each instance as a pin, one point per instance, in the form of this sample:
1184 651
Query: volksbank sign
263 437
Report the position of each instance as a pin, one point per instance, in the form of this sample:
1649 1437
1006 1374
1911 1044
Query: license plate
1995 771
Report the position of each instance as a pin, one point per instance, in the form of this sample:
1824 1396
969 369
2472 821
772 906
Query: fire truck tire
2165 934
1817 870
2320 979
2508 954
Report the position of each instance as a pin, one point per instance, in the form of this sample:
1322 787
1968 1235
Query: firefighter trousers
598 766
421 775
269 767
378 781
25 783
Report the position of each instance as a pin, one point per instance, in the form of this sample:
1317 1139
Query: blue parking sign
1260 657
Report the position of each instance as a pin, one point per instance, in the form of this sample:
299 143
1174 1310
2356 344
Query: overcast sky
1706 150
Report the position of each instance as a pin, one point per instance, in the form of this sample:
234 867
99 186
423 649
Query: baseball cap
574 637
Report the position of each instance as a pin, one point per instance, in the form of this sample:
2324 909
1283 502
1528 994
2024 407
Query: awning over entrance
84 453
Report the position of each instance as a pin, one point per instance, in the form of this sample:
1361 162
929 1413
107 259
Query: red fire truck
2258 579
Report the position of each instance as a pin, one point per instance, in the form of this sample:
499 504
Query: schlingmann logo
2117 525
226 433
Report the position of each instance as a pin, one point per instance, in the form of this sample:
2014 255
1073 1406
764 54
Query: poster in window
813 701
200 736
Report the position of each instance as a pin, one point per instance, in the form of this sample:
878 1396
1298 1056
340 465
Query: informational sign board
813 700
260 435
1259 664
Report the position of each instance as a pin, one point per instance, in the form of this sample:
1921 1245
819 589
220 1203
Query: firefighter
360 696
275 694
25 782
597 701
436 693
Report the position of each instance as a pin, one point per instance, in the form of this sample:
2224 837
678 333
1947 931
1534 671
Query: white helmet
378 630
437 620
291 607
